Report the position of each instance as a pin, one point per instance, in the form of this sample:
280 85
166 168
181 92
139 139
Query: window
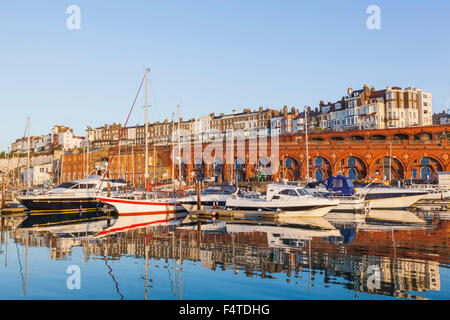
287 192
302 192
425 173
425 161
351 162
318 162
351 173
318 175
289 163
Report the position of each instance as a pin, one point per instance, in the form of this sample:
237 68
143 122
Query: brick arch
312 156
410 164
398 160
350 154
291 173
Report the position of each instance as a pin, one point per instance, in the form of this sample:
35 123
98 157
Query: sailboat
154 206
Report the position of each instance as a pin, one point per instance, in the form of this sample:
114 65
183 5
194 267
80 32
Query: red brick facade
416 153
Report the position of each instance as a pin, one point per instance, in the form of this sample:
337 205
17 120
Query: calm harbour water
341 257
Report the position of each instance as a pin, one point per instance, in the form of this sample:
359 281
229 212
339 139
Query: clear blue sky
212 56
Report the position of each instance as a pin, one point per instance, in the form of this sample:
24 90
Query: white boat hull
394 202
306 208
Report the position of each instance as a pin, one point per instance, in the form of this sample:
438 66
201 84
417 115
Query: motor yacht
73 196
382 196
289 200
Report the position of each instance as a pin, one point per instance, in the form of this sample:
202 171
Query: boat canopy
340 184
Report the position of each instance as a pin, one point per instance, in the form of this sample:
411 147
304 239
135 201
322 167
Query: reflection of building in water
59 247
396 263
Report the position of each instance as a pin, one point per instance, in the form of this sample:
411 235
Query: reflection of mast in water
309 255
2 230
26 269
110 272
173 264
179 271
24 278
146 268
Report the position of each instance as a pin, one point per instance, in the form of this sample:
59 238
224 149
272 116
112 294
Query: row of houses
366 108
362 109
60 137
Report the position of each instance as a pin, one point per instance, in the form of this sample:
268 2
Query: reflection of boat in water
287 233
398 216
128 222
283 236
318 223
73 224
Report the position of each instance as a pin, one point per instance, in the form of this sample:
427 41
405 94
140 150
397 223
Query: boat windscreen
375 185
302 192
66 185
227 189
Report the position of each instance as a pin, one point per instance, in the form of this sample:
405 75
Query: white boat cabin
278 191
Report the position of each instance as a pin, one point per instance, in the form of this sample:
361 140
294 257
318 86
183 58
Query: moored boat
342 188
289 200
381 196
73 196
153 206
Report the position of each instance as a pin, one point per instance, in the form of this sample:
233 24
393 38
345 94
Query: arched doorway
351 174
425 168
425 173
359 168
322 164
318 174
291 169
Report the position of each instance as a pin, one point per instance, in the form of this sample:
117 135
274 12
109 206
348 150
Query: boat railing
428 186
340 196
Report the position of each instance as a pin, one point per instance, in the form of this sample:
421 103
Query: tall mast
179 146
154 164
87 160
28 156
173 150
306 135
146 127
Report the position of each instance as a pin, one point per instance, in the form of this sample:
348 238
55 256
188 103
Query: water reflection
372 255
